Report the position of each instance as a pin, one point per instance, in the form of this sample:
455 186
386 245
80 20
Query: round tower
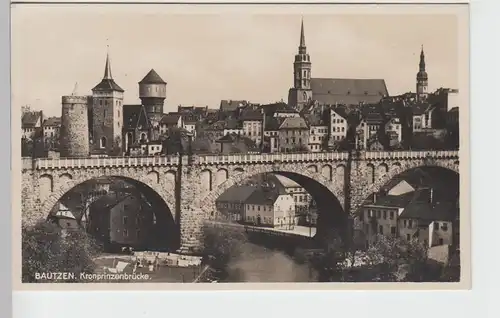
74 136
152 92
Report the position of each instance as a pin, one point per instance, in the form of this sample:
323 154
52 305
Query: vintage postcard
199 146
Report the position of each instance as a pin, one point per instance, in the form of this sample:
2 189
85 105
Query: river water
260 264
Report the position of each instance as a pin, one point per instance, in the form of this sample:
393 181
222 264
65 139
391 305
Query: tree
220 246
48 249
396 259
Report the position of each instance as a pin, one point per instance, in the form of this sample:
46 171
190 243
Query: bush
48 249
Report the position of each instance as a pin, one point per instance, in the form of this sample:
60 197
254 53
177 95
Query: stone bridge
189 186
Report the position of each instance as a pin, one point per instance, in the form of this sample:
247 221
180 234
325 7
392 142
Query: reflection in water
260 264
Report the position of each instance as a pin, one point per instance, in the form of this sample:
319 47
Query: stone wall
182 188
74 127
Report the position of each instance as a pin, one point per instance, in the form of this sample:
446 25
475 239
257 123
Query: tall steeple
107 83
107 70
302 45
301 92
422 62
422 78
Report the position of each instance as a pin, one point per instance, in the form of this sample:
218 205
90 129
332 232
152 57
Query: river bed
258 264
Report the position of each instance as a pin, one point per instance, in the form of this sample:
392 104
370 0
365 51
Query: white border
485 64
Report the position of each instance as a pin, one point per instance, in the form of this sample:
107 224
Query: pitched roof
393 201
419 108
341 111
315 120
237 194
170 119
416 178
52 121
110 200
440 211
294 123
262 197
271 123
108 84
152 78
348 91
251 114
286 182
231 105
30 119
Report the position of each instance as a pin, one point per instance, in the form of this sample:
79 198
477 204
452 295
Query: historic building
329 91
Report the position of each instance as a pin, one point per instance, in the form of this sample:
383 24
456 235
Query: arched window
103 142
143 137
130 137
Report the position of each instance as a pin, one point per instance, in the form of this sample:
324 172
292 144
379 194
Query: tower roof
422 74
302 36
108 83
152 78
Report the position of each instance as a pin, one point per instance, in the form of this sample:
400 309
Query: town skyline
202 77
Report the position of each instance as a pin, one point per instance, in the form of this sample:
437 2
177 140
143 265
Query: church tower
107 114
301 93
422 80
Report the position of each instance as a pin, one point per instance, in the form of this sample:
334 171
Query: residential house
394 130
137 128
410 215
301 197
232 105
171 120
368 128
125 216
232 143
271 134
51 131
31 123
189 123
231 204
318 131
233 126
338 125
293 135
266 207
64 217
252 120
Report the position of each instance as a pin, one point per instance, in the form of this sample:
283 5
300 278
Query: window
138 233
408 237
410 224
103 142
125 219
381 229
441 242
125 232
393 230
444 227
404 223
391 215
385 214
378 214
436 226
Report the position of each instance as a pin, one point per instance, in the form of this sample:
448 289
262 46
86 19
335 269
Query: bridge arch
398 169
328 195
143 183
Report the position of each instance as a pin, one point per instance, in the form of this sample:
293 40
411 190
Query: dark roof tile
152 78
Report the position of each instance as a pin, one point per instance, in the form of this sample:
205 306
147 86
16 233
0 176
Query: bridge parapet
374 155
272 157
63 163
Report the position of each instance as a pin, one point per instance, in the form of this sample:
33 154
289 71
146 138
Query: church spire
302 45
302 36
422 59
107 70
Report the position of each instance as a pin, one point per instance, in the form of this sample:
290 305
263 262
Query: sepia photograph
240 144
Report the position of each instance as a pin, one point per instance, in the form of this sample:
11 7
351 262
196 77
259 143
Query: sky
206 56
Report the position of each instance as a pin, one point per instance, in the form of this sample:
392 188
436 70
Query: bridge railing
410 154
272 157
46 163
